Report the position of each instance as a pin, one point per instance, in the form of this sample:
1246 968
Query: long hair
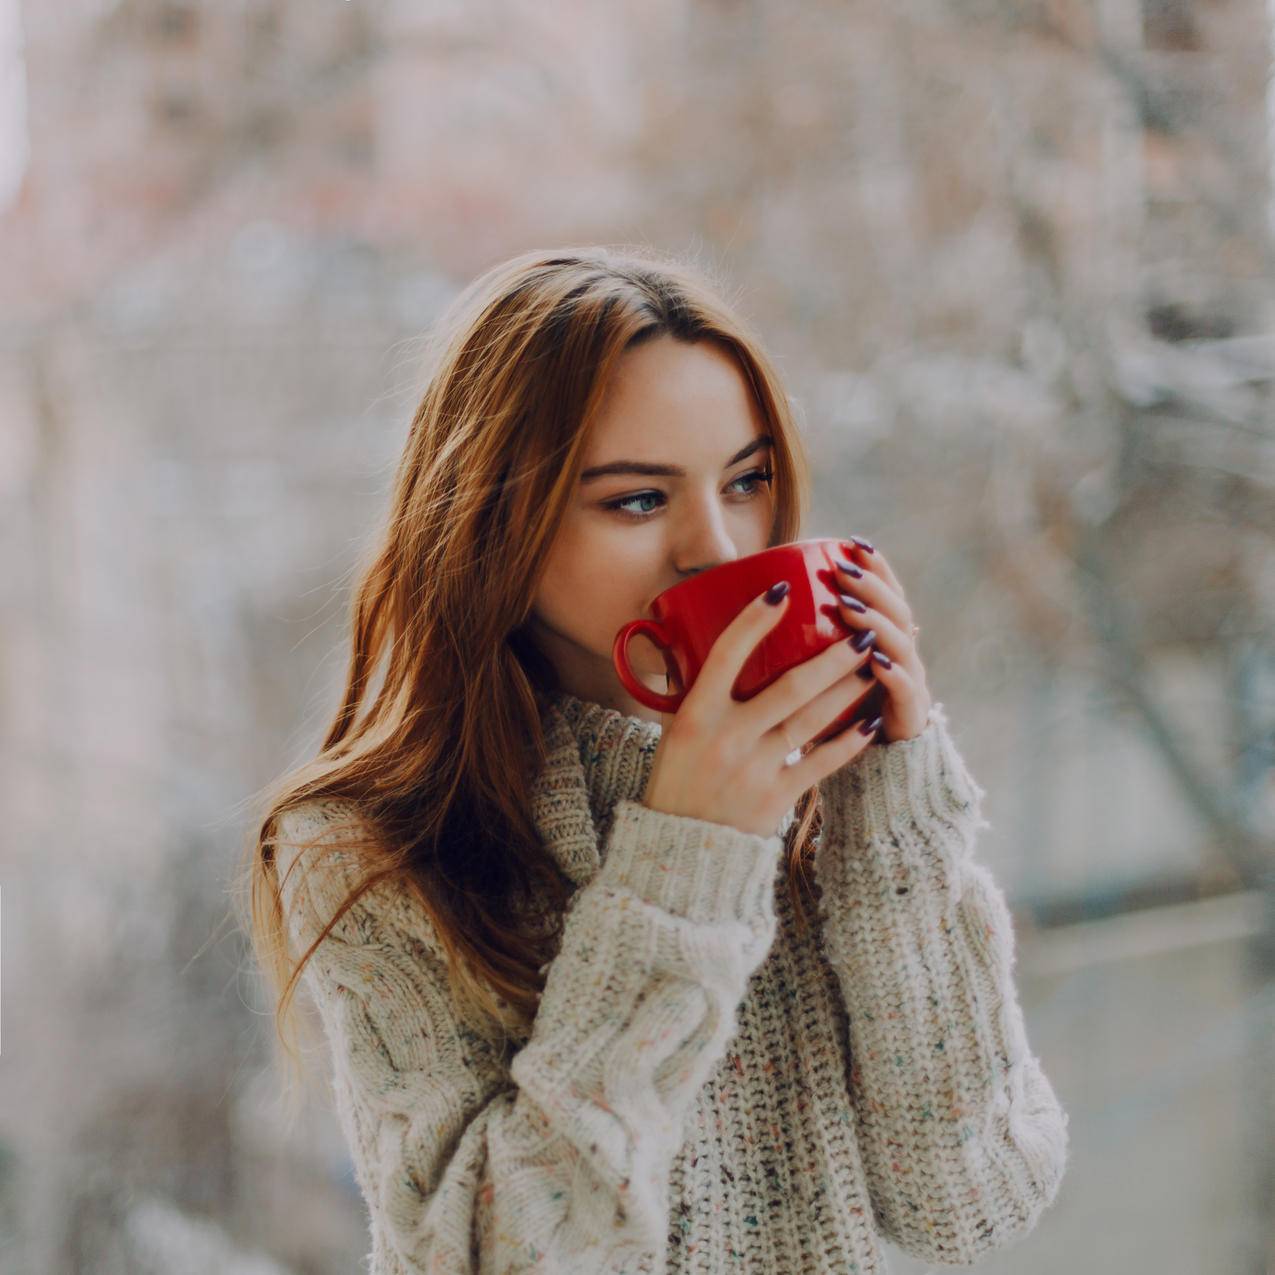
437 770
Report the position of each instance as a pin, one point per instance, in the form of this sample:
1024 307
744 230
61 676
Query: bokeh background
1014 258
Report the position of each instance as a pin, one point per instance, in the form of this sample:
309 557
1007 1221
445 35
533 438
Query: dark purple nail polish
849 568
882 658
777 591
853 603
863 544
870 728
864 640
864 671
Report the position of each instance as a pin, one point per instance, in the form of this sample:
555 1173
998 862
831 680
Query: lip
650 602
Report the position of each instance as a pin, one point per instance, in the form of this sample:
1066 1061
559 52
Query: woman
576 1022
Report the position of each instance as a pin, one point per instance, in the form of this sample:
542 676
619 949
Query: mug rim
787 544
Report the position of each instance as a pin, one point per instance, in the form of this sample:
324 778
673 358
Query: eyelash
760 475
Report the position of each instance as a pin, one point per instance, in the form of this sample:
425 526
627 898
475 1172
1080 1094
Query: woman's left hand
863 575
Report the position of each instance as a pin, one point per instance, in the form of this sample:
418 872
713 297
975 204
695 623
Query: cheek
595 572
604 553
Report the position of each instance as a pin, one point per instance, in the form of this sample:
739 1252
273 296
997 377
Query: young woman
611 991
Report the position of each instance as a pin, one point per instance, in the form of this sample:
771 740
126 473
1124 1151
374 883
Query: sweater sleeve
964 1142
558 1161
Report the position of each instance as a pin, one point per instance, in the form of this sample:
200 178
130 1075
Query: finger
900 684
888 637
832 754
735 643
789 693
871 589
867 555
845 694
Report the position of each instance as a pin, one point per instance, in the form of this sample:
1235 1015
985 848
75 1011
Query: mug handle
620 658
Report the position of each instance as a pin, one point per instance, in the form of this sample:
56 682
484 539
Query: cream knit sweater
704 1089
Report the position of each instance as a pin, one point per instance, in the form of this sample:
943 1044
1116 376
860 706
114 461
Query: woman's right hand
723 759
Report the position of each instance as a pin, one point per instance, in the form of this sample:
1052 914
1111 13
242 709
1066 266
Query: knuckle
798 683
719 756
847 662
690 722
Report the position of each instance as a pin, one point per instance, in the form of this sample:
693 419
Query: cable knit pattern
687 1100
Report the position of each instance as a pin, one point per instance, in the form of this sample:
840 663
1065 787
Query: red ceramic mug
688 618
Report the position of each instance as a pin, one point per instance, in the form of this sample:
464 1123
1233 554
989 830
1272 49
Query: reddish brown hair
437 768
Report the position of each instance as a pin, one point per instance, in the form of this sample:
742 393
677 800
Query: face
630 536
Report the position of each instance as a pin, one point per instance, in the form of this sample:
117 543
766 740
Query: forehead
668 393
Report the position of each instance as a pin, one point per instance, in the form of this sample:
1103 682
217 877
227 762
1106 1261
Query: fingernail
776 591
882 658
863 544
849 568
870 728
853 603
862 641
864 671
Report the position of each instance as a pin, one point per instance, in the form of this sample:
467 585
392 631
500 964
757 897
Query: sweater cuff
693 868
906 790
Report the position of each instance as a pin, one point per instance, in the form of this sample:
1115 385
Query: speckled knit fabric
705 1089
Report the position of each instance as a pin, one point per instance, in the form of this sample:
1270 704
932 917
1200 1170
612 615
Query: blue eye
757 477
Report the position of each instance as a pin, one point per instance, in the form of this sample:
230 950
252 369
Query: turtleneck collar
616 751
588 713
594 757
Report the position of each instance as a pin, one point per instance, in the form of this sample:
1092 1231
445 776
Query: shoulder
321 817
325 851
323 836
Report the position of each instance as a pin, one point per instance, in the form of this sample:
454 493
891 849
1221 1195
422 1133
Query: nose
705 541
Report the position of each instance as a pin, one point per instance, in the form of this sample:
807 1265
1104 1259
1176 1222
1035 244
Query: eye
756 477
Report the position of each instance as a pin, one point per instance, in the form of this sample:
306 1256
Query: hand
870 581
724 760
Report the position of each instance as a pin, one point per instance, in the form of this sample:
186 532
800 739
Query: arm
559 1162
963 1139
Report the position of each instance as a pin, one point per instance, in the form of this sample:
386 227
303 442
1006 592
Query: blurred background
1014 258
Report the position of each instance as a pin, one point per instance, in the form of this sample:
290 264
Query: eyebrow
651 470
